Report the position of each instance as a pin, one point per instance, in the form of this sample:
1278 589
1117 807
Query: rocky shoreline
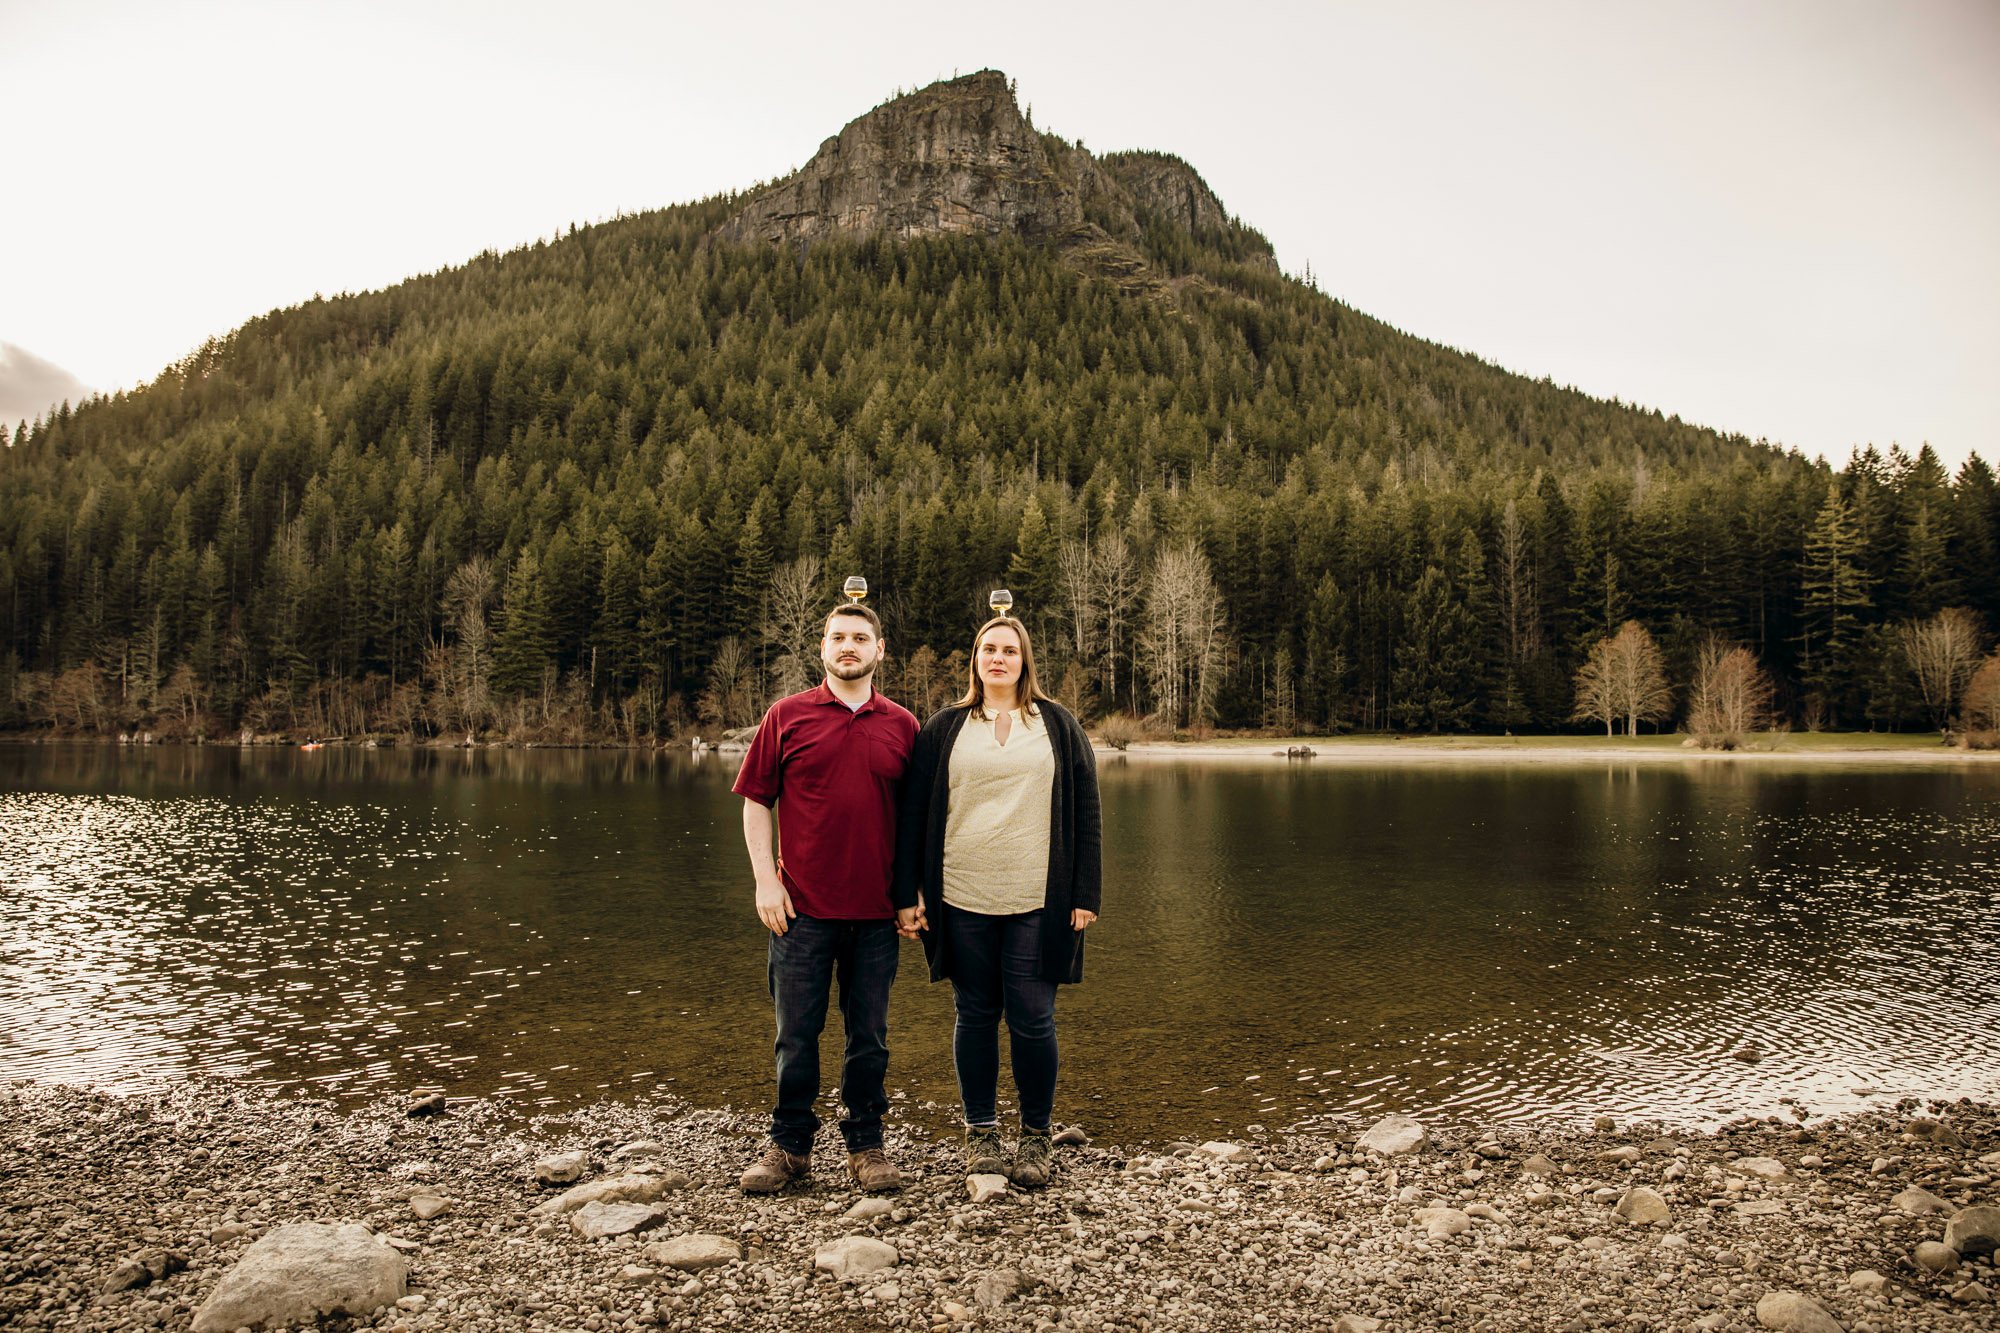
137 1211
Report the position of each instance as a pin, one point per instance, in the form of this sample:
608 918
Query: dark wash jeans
805 962
995 970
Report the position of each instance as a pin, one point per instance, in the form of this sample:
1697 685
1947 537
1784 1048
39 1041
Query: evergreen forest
607 484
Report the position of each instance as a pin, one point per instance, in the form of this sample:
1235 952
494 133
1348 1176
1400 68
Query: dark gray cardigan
1076 836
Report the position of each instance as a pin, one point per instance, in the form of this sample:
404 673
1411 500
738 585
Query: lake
1282 944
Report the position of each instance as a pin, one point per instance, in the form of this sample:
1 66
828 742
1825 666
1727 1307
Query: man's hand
774 906
910 921
1080 919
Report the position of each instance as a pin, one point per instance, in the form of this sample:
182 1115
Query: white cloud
31 387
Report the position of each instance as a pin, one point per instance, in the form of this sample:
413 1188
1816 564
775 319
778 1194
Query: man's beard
850 670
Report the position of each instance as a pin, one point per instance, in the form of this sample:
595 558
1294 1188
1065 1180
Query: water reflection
1281 945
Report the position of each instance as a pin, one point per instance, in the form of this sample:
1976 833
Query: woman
997 867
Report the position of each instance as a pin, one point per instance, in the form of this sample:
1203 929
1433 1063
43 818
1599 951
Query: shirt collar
823 694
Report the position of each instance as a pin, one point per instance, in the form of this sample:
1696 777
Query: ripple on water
1275 951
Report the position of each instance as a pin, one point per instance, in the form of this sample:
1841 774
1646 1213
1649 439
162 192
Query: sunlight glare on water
1281 946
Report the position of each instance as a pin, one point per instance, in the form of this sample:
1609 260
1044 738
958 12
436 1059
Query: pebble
1538 1165
429 1104
1073 1136
1972 1293
1868 1282
1225 1152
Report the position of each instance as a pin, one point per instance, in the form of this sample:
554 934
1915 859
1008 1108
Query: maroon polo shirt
834 774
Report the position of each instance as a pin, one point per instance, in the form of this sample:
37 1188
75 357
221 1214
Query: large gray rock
995 1289
1919 1202
1443 1223
693 1253
633 1187
1793 1313
1764 1168
300 1272
1394 1135
562 1168
1642 1207
596 1220
1974 1231
854 1256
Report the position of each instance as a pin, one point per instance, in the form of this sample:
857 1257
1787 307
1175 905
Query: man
831 759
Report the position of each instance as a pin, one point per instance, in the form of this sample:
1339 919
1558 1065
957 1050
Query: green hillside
564 490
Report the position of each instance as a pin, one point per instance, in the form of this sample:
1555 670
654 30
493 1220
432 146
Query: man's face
850 648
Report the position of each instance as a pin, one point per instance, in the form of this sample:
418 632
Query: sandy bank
1294 1233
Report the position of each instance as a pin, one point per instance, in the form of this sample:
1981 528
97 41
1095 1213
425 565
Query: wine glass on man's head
856 588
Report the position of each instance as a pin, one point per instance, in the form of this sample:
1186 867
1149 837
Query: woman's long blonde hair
1026 691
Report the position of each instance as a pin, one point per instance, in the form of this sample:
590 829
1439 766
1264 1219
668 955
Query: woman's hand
910 922
1080 919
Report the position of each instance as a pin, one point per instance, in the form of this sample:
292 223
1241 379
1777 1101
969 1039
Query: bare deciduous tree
1118 589
1076 583
1519 615
467 594
1623 677
730 701
1182 637
1979 706
1943 652
793 624
1732 696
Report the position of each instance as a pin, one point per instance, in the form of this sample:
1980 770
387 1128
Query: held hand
774 907
1080 919
910 921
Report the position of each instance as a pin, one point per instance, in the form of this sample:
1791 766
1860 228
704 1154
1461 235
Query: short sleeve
761 778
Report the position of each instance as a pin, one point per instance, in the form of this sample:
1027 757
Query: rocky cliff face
959 156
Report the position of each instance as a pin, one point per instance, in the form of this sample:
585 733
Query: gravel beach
137 1211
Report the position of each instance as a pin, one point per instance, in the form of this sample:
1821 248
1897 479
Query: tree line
608 483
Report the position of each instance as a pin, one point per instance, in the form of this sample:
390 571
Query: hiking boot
1034 1160
775 1170
985 1155
873 1171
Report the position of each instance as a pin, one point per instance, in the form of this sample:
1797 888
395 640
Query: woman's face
999 657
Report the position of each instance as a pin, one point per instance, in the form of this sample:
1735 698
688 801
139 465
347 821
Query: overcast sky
1773 218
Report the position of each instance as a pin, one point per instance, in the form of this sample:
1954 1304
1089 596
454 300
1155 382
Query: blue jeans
804 964
995 970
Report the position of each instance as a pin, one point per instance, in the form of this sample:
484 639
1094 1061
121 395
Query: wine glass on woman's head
1002 602
856 588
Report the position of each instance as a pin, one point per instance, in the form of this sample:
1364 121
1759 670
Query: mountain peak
959 156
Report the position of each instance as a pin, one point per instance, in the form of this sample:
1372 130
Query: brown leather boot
775 1170
873 1171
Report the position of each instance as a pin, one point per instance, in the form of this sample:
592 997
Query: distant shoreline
1866 748
1849 748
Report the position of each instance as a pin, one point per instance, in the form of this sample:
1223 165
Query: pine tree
1836 593
525 647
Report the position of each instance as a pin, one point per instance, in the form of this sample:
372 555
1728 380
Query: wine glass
1001 601
856 588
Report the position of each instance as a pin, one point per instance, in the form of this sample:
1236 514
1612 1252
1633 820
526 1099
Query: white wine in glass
1001 601
856 588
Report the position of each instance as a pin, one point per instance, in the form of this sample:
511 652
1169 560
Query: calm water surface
1280 945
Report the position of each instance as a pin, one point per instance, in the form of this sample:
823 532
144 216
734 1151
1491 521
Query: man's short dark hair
856 609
